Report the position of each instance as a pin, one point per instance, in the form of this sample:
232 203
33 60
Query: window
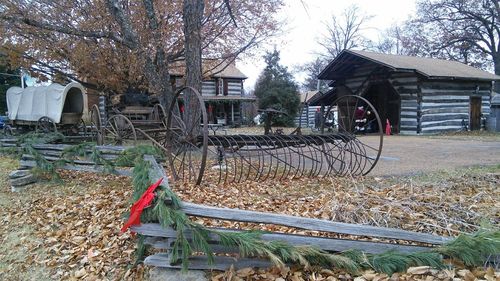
220 85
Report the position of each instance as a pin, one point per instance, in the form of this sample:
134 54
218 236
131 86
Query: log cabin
417 95
223 93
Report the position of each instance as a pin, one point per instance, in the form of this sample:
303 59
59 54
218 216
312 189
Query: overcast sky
305 24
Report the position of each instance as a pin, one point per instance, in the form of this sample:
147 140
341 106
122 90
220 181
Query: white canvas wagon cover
32 103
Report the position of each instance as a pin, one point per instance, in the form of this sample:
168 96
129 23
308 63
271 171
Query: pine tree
276 89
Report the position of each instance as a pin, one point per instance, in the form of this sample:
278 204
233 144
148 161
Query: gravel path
407 155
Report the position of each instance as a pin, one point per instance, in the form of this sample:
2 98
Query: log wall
427 106
444 104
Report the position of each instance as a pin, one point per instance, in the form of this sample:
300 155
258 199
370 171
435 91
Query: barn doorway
475 113
387 102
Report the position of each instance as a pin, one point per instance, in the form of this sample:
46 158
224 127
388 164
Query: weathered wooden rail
163 239
53 152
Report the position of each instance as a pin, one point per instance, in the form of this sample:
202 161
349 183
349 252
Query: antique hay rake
351 147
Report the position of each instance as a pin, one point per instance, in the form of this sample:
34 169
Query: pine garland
470 249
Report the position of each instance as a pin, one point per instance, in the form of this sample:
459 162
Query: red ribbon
141 204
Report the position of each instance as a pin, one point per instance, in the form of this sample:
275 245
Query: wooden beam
327 244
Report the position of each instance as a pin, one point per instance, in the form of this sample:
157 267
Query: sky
304 23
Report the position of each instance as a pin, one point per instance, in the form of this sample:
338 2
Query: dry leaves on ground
74 228
71 231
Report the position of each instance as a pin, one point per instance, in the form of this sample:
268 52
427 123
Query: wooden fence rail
163 239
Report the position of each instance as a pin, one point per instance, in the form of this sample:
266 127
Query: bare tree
465 30
312 69
344 32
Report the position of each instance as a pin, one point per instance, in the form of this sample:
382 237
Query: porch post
232 113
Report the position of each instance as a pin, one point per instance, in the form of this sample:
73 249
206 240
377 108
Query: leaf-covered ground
71 230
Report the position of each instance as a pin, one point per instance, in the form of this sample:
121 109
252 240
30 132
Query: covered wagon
47 108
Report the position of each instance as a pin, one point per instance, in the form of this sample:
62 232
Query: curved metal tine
279 149
317 158
258 168
308 156
354 157
247 157
218 149
364 157
357 154
262 146
236 166
260 157
272 156
288 146
318 142
268 144
297 145
295 152
336 155
326 148
244 160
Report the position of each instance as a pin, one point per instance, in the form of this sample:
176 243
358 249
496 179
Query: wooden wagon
128 125
45 109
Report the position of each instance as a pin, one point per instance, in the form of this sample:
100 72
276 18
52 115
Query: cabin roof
432 68
306 96
211 69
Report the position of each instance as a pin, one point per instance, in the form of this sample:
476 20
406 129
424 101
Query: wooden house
417 95
306 116
223 93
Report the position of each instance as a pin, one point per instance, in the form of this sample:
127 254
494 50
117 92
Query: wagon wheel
95 124
119 130
158 113
45 125
360 128
187 141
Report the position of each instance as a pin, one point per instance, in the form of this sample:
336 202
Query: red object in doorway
387 127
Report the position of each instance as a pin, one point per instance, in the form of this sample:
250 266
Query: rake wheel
187 135
361 129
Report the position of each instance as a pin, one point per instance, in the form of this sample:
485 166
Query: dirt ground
412 155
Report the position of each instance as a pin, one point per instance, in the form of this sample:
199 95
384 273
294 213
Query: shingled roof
429 67
212 69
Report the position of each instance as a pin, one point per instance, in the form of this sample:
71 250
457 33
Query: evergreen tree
8 78
276 89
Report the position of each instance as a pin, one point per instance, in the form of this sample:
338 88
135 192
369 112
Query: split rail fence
163 238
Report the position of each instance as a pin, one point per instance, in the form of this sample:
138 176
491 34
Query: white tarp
32 103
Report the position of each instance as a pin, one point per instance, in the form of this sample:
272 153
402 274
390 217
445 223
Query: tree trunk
496 63
192 17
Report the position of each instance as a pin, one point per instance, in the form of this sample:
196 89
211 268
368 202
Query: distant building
306 116
417 95
222 91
